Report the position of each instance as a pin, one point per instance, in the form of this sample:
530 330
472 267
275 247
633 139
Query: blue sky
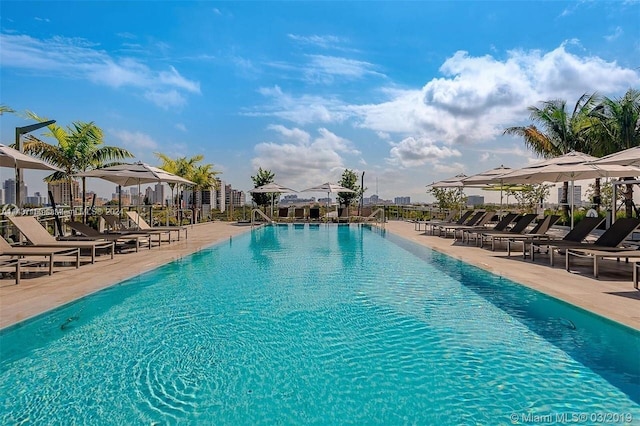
409 92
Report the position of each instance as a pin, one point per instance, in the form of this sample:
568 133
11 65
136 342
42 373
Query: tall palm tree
560 132
616 128
204 178
78 150
188 168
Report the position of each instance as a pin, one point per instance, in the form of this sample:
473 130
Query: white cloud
323 41
617 32
302 159
324 69
136 142
181 127
301 110
78 58
412 152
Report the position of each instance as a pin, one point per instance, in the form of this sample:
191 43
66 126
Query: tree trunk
597 194
564 200
628 200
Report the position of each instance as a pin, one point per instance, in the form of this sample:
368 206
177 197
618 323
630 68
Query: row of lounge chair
514 230
44 248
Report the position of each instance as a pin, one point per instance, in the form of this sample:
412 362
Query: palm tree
78 150
204 178
560 132
616 128
5 109
188 168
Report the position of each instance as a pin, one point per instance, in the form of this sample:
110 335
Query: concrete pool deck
612 295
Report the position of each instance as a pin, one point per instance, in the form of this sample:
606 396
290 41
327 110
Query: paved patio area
612 295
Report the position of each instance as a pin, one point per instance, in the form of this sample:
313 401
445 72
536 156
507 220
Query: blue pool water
317 325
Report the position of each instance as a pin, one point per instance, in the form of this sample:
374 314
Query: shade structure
567 168
271 188
628 157
329 188
13 158
134 174
487 178
452 182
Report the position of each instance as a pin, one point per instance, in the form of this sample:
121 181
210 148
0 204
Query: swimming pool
318 325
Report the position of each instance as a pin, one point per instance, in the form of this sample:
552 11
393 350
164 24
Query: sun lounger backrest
522 223
32 229
505 221
617 232
83 229
583 228
464 217
138 220
4 244
543 226
314 213
473 220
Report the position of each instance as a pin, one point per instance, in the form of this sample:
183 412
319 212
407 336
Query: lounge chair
314 213
299 214
448 218
118 228
86 232
518 228
576 235
470 222
141 224
18 256
436 223
283 213
37 235
615 253
609 240
539 232
480 223
608 245
500 226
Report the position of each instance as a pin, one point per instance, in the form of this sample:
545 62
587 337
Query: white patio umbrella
271 188
487 178
628 157
329 188
134 174
569 167
452 182
12 158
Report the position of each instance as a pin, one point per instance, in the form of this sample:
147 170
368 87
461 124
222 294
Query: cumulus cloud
411 152
78 58
302 158
300 110
136 142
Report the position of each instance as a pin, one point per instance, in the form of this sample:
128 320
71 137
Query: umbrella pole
572 202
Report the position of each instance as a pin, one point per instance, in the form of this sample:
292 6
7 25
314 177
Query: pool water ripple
313 326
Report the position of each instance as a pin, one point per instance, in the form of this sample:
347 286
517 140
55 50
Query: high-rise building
475 200
9 187
62 192
402 201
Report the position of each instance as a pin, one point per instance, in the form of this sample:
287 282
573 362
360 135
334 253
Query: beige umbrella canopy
134 174
329 188
567 168
452 182
628 157
271 188
13 158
